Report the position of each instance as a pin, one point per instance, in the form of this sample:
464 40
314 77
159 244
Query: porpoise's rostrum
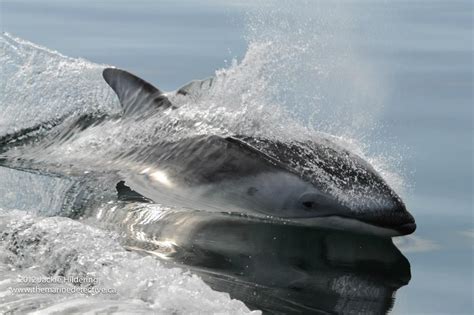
295 180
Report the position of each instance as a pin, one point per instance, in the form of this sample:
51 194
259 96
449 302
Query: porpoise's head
319 179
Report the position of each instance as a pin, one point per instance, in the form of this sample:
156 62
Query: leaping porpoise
302 181
297 180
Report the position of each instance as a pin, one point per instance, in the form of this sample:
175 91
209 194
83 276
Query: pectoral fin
125 193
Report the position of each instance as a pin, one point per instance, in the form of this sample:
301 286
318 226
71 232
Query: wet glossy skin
229 175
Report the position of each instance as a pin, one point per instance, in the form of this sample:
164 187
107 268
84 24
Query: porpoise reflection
273 267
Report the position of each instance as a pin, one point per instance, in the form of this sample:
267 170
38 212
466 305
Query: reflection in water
274 267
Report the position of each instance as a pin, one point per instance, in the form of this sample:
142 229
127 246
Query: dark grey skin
313 182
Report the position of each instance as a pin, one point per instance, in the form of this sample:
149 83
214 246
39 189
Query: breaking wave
35 249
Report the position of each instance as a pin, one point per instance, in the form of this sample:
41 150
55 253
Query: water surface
394 77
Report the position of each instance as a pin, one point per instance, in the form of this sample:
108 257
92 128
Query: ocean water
391 80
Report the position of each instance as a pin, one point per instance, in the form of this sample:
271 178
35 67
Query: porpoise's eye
308 204
310 201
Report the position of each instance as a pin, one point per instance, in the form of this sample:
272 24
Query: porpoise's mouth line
403 229
398 230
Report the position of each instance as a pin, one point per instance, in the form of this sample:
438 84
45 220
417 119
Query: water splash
39 85
302 77
314 59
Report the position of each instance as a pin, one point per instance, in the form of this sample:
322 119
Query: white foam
41 247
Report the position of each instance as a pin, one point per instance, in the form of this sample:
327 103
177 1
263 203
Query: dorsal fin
196 88
136 95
